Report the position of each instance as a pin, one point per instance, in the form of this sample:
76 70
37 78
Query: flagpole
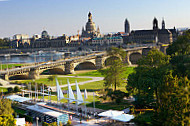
57 94
85 94
43 92
35 91
31 90
76 98
50 95
93 102
68 98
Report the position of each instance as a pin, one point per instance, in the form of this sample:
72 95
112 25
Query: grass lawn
96 73
109 105
95 86
19 111
4 66
3 89
98 104
54 98
144 119
89 86
62 80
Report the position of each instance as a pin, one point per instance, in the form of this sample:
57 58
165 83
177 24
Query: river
31 58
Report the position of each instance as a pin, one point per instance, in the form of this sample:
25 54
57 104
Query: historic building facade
107 40
20 41
90 30
155 35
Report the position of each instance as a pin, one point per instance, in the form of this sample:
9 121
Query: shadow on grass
109 105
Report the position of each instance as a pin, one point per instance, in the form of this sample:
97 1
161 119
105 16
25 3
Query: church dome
90 25
45 34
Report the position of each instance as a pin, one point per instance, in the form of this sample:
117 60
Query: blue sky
67 16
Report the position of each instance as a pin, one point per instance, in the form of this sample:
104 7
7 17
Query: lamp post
37 121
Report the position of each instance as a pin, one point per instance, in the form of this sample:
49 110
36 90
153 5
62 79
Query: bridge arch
86 65
18 77
55 70
134 57
108 60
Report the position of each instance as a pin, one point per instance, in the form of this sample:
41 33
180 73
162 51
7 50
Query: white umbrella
111 113
123 117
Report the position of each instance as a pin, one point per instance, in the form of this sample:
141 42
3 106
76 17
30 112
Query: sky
68 16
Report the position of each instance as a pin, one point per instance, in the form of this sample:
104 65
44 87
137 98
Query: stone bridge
68 66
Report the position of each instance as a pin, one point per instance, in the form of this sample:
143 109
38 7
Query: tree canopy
115 72
164 79
5 107
6 118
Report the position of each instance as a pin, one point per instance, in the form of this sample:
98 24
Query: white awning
18 98
111 113
123 117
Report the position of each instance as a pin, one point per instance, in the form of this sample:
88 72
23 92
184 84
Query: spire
163 24
155 24
98 30
127 26
89 16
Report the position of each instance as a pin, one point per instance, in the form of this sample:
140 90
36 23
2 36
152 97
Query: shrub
16 89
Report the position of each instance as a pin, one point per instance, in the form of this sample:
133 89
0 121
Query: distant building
20 41
127 27
106 41
90 30
45 35
155 35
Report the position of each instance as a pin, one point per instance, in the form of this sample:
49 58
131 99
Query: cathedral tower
155 24
127 27
163 24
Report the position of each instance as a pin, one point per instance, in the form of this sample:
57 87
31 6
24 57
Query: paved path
94 79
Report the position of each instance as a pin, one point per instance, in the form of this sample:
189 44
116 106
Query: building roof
45 111
164 31
114 37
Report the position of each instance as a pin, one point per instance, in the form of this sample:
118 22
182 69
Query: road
94 79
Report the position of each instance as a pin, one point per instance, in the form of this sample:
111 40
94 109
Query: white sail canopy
59 91
85 94
70 93
79 94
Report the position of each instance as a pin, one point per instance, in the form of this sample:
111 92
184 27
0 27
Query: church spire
89 16
155 24
127 26
98 30
163 24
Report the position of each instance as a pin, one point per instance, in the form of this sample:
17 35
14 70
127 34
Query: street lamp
37 121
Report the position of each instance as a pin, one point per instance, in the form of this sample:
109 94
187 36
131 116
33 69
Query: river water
31 58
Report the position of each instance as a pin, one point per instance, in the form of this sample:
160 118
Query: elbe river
31 58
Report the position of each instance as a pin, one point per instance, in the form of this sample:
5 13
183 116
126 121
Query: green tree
5 107
147 78
51 78
10 90
174 108
16 89
181 45
7 121
6 118
115 72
